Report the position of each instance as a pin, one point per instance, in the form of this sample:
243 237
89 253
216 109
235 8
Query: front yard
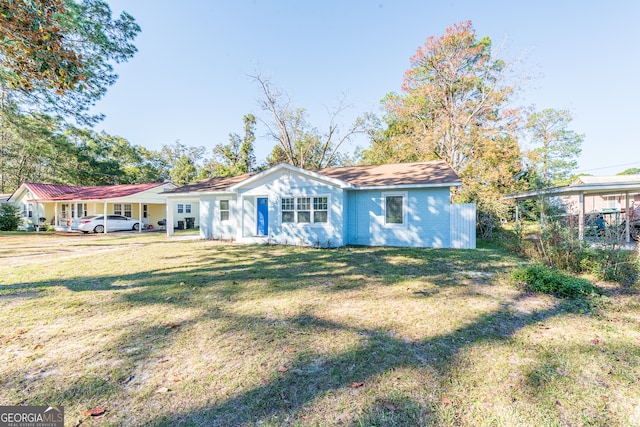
191 332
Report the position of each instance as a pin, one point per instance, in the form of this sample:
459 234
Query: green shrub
9 217
538 278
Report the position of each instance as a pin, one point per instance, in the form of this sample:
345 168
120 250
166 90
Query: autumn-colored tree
455 93
454 106
556 148
56 55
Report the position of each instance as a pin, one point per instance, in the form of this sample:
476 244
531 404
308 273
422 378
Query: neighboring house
386 205
4 198
614 198
62 205
609 202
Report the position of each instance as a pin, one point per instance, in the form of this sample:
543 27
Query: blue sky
189 81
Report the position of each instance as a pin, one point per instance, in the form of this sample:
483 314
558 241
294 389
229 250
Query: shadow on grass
225 275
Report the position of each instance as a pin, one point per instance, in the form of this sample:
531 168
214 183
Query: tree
455 94
56 55
557 147
299 143
9 217
630 171
180 162
236 157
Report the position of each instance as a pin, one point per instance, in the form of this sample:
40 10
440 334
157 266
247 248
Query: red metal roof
53 192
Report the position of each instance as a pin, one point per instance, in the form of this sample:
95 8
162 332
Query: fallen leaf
282 369
163 360
94 412
21 331
390 406
445 400
170 325
37 346
289 350
162 390
36 372
595 340
356 384
175 379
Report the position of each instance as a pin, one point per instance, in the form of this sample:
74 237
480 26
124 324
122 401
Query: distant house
611 201
386 205
62 205
614 198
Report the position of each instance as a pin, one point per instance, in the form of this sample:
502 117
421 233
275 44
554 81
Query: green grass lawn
191 332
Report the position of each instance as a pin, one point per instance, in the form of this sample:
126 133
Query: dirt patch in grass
183 332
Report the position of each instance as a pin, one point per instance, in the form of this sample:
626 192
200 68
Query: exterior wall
426 224
182 217
285 183
600 203
211 224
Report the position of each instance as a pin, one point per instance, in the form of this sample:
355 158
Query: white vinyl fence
463 226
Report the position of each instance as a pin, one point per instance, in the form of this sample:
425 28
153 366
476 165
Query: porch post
140 216
169 219
581 216
627 236
55 214
104 217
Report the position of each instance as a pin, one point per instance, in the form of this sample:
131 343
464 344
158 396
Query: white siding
463 226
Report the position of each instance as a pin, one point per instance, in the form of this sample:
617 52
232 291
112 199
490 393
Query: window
288 211
187 208
117 208
224 210
180 208
394 209
127 210
63 213
305 210
27 210
320 208
82 209
145 211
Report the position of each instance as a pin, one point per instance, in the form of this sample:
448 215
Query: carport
585 187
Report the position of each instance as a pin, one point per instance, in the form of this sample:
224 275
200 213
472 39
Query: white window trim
188 208
227 210
180 206
405 197
119 210
295 223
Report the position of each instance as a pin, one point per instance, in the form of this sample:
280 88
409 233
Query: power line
609 167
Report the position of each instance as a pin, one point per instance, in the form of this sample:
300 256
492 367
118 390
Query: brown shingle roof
210 184
433 172
420 173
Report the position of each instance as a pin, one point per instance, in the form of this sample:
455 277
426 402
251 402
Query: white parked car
95 223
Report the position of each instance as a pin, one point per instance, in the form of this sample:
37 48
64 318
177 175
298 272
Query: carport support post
55 214
169 219
581 216
140 216
627 237
104 217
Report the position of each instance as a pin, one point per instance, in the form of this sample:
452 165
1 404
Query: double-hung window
224 210
305 210
180 208
127 210
395 208
117 208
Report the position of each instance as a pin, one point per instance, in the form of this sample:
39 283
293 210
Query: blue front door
263 216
